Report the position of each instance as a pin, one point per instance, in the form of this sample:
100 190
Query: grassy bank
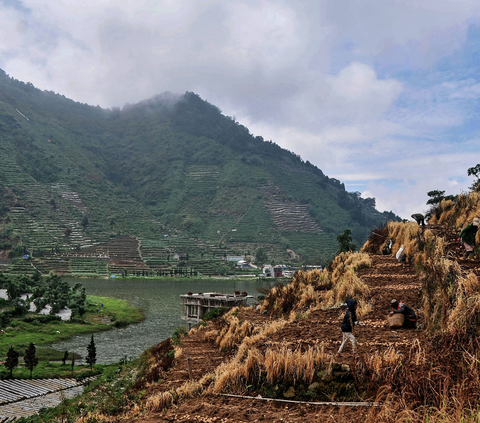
183 279
102 314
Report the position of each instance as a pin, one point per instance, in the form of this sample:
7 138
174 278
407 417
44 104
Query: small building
234 258
243 264
195 306
179 256
278 271
267 270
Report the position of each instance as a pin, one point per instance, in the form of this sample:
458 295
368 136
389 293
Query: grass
50 370
96 319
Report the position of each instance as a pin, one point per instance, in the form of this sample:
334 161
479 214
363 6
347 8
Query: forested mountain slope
74 176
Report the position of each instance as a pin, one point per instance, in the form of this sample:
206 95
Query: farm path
387 279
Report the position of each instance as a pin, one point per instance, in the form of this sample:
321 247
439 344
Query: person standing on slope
349 321
467 236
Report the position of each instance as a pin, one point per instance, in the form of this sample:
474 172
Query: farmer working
419 218
410 316
467 236
349 321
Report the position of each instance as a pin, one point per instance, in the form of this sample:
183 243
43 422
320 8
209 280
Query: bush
48 318
177 334
214 313
122 323
85 374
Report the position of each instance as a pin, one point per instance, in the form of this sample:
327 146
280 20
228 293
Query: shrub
214 313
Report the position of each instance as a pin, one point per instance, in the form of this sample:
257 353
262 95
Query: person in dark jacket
419 218
410 316
467 236
349 321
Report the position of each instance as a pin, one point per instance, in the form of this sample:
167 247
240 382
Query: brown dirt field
386 278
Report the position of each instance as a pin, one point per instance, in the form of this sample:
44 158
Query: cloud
376 93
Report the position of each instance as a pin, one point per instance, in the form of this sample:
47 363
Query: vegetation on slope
72 175
20 326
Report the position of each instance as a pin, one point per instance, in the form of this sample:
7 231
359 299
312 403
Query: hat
475 222
393 301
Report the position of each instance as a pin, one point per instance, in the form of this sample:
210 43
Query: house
278 271
195 306
267 271
245 265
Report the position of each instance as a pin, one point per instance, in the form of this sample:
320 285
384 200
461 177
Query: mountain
155 183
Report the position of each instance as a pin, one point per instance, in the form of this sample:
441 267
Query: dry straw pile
457 213
252 366
320 288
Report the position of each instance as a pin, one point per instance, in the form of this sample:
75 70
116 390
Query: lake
160 303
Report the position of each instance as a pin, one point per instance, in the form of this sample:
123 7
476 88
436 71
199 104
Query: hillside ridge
73 176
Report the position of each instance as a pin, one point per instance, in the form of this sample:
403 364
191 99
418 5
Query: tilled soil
387 280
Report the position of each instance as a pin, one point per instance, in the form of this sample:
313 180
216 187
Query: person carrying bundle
408 312
467 237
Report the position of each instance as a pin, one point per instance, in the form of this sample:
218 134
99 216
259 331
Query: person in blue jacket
349 321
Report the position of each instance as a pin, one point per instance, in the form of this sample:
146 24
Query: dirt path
387 279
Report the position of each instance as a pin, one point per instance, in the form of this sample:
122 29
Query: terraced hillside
387 279
212 361
74 176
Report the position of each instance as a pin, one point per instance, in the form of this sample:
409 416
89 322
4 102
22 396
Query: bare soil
387 279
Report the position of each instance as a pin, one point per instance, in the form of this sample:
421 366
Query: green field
114 313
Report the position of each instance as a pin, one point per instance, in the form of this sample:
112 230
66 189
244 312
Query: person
467 237
349 321
419 218
387 248
408 312
400 255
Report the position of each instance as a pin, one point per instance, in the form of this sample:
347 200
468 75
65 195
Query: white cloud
351 86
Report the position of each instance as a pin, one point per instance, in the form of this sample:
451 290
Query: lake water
159 301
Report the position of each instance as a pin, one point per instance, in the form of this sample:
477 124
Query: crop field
285 349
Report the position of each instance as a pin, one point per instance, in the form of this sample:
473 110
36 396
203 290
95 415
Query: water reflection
160 302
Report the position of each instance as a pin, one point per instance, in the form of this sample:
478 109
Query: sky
382 95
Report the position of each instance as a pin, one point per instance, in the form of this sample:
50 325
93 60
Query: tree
261 256
475 171
436 196
345 242
65 357
12 360
30 358
370 202
13 290
73 361
84 222
91 357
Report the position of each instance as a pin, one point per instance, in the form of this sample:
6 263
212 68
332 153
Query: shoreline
103 314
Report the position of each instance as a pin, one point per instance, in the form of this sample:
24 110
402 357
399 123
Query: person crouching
410 316
467 236
349 321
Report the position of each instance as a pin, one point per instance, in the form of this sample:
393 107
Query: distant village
269 270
